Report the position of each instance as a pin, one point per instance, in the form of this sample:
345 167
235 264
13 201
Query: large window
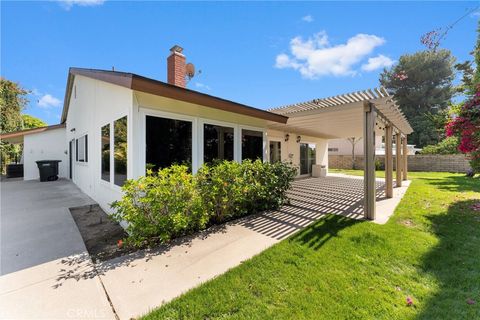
252 144
217 143
275 151
105 150
82 149
307 157
120 151
168 141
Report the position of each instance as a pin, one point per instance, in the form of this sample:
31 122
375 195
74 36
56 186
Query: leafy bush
161 206
230 190
448 145
173 202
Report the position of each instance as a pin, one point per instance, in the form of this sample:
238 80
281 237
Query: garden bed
99 232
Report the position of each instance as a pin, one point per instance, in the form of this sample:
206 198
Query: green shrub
160 206
230 190
173 202
446 146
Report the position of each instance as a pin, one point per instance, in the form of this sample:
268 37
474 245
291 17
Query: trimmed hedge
172 202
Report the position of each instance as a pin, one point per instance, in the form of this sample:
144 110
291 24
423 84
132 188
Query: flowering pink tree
467 127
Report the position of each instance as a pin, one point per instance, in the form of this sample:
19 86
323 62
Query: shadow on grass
456 183
455 262
322 231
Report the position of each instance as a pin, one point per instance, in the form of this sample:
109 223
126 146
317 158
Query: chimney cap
176 48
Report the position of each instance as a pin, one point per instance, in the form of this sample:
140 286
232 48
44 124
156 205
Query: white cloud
316 57
68 4
49 101
202 86
307 18
377 62
475 14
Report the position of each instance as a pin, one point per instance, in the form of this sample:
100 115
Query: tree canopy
30 122
422 85
12 102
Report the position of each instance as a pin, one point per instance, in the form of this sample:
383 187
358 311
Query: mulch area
99 232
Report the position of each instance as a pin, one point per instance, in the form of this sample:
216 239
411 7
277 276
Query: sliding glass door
307 157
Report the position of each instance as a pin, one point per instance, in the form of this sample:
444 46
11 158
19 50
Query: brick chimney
176 67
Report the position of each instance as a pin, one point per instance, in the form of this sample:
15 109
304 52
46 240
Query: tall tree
422 85
30 122
353 141
12 102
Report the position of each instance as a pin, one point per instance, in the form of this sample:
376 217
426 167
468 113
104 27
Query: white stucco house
115 125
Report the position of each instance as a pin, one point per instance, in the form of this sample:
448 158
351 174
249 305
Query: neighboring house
343 147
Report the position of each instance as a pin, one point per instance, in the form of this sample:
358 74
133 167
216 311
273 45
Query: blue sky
262 54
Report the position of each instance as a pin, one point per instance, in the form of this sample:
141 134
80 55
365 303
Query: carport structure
358 114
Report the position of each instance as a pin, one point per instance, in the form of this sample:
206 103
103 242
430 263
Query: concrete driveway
41 249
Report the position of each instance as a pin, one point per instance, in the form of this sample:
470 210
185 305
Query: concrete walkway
52 262
40 249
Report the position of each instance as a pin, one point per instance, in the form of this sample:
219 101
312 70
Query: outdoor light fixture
299 138
287 137
72 130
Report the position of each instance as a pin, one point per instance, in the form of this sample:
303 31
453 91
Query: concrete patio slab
41 249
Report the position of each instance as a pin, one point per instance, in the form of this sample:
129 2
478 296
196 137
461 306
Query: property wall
46 145
290 150
441 163
94 104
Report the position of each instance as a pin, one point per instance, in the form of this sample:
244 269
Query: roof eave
147 85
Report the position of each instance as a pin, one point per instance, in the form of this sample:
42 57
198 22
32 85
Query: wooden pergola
363 113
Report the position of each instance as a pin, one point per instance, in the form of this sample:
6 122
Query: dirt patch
99 232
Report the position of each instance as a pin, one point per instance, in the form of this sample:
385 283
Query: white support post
369 119
405 158
388 161
398 159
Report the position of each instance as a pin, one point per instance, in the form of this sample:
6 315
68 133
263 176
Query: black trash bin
48 169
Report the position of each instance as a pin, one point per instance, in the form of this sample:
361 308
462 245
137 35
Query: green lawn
344 269
378 173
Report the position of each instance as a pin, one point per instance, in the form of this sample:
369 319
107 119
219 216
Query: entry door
307 157
70 158
275 151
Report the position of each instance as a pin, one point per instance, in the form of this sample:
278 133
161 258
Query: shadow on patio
310 200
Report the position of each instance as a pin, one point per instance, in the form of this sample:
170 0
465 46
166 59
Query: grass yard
344 269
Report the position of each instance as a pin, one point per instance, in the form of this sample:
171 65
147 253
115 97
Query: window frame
281 147
111 184
264 142
110 125
112 151
83 161
204 121
144 112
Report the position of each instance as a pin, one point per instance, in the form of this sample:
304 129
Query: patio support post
405 158
388 161
369 119
398 159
